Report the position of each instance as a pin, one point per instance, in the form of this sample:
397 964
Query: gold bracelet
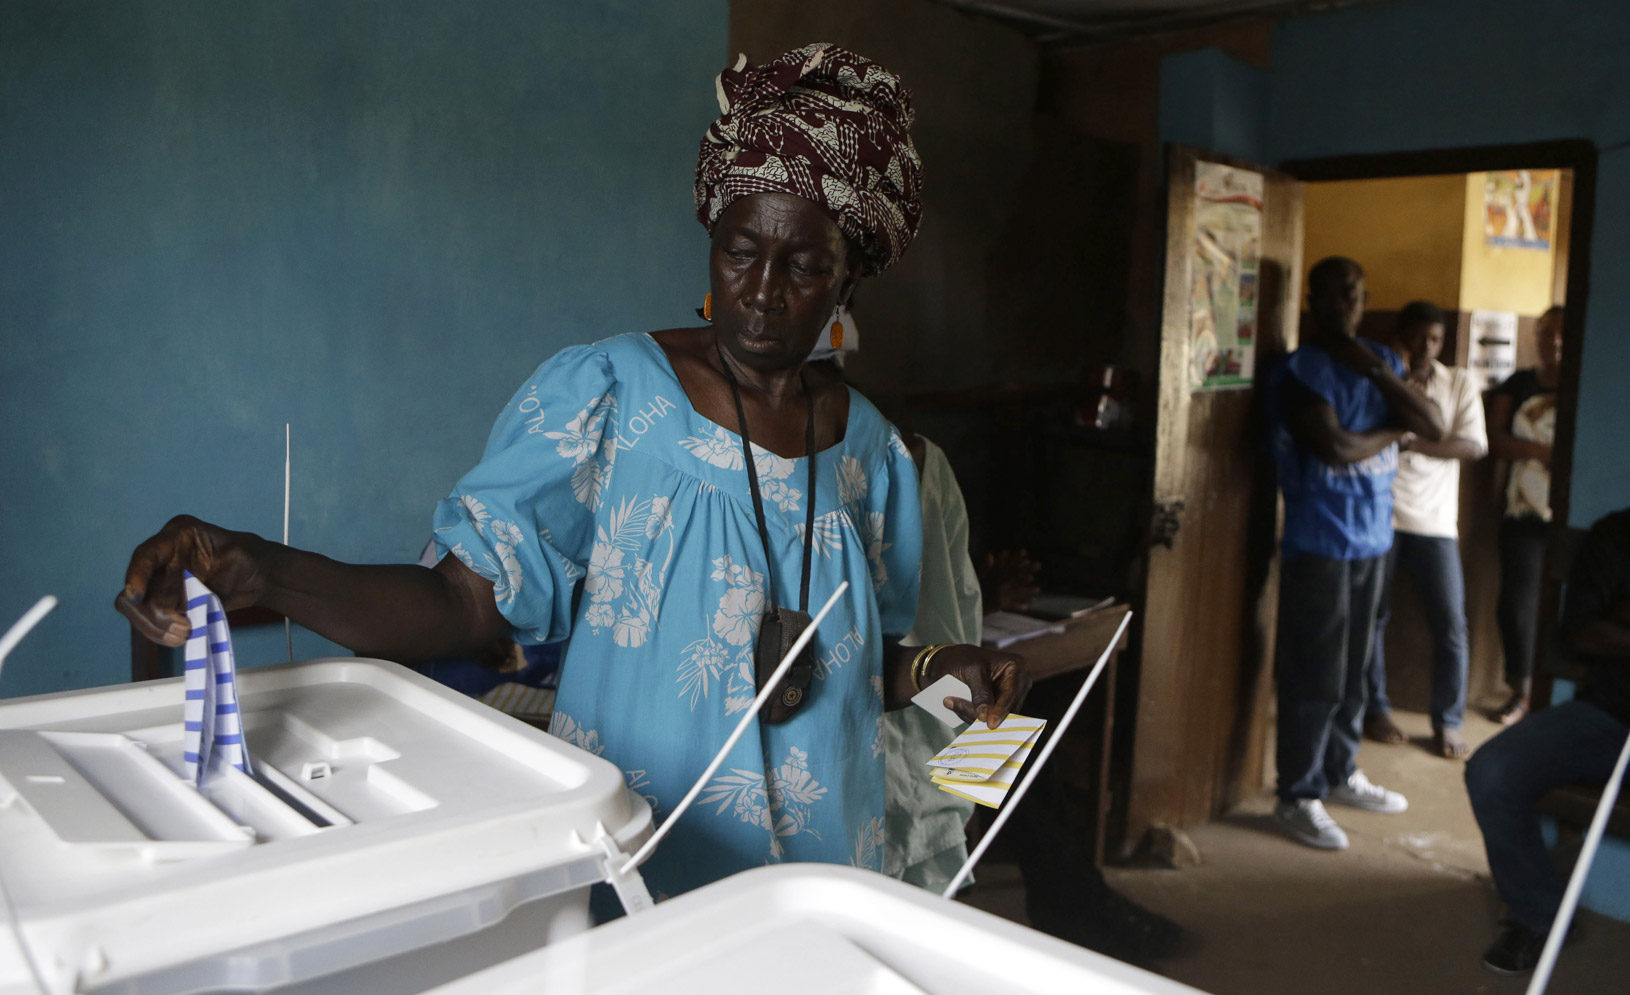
919 665
916 662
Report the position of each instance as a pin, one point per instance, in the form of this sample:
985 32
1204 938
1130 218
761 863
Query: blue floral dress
600 476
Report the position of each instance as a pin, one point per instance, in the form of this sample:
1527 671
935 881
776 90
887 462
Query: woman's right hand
229 563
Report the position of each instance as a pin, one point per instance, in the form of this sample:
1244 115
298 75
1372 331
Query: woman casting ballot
692 492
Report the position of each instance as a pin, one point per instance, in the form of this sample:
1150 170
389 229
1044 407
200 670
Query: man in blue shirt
1337 410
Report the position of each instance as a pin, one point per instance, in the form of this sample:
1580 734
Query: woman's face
779 266
1549 339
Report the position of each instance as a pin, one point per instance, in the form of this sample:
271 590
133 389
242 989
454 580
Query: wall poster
1492 355
1518 208
1223 294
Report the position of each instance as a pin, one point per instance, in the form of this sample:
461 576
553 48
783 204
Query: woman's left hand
998 681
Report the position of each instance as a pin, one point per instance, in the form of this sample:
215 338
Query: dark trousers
1574 742
1433 563
1522 567
1326 630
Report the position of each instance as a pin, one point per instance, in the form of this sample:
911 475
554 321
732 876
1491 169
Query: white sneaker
1358 792
1307 822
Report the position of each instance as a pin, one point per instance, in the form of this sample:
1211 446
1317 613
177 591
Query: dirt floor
1407 909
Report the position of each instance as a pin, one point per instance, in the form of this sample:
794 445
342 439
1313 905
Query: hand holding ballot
153 597
998 681
393 611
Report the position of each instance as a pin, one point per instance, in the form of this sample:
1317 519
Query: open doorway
1490 251
1430 858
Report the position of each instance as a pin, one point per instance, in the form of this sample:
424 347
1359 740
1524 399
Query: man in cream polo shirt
1425 519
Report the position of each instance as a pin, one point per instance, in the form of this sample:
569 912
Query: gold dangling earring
837 328
707 306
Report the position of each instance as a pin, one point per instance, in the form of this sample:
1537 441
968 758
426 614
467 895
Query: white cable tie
1576 881
1012 801
798 645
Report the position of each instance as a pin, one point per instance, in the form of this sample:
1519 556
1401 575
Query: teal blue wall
1215 102
1425 74
368 219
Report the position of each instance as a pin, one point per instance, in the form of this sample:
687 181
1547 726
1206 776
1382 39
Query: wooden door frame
1235 769
1579 156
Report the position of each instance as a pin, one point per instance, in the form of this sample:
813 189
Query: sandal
1513 711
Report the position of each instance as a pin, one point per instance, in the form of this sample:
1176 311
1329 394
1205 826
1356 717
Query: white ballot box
812 929
389 831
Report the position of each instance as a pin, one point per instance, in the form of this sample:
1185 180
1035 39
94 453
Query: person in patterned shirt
668 504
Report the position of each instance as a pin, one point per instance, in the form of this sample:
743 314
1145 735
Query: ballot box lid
812 928
385 812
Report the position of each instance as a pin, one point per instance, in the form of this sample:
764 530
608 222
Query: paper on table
1062 606
1003 629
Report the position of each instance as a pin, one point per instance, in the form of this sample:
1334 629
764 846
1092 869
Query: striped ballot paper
981 764
214 728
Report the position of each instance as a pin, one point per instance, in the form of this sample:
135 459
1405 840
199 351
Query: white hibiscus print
589 482
868 850
600 616
507 532
623 587
633 628
563 726
508 585
504 570
661 518
780 801
476 512
737 619
876 547
737 574
582 435
703 664
852 482
605 574
721 449
828 538
792 784
741 791
782 494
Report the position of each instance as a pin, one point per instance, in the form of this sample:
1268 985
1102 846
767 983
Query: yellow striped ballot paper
981 764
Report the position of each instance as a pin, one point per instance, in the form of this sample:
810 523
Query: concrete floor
1407 909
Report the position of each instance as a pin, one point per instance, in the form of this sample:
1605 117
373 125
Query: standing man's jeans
1433 563
1325 633
1574 742
1522 567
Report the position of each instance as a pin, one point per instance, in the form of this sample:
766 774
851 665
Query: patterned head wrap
824 124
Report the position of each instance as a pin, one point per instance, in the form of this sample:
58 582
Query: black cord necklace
780 626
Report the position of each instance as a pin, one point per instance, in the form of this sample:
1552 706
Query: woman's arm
997 681
394 611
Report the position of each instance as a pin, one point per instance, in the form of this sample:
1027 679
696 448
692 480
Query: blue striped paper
214 727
